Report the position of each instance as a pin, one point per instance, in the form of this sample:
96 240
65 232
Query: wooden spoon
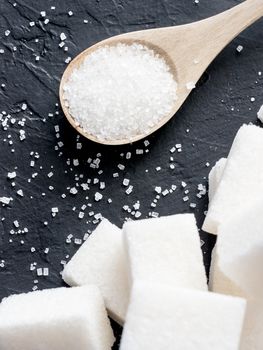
188 49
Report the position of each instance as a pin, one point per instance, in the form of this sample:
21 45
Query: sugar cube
163 317
239 252
236 268
252 335
215 176
242 179
101 260
55 319
166 250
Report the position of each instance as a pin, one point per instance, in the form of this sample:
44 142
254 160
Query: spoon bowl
187 49
78 60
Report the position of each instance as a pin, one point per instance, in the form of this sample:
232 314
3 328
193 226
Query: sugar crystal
120 91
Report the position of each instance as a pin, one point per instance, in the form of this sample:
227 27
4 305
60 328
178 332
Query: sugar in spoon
188 49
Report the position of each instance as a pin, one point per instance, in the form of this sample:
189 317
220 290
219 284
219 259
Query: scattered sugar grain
158 189
45 271
77 241
73 190
105 105
11 175
5 200
102 185
190 85
121 166
63 36
16 223
20 193
146 143
129 190
98 196
239 48
165 192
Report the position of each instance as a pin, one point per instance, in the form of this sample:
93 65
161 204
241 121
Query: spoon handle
232 22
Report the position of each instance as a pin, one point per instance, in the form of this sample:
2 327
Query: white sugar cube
236 267
101 260
166 250
238 254
55 319
215 176
242 179
161 317
252 335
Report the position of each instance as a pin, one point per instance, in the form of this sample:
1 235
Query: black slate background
213 113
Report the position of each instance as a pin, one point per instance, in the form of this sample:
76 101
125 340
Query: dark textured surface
213 113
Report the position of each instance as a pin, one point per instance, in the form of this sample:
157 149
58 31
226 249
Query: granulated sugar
120 91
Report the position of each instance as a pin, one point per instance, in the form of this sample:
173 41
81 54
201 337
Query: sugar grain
121 91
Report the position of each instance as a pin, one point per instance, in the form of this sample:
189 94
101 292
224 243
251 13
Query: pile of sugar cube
149 276
235 215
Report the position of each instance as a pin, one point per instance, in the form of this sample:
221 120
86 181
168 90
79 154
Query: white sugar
239 48
20 193
45 271
126 182
190 85
11 175
120 91
158 189
60 318
5 200
98 196
16 223
63 36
